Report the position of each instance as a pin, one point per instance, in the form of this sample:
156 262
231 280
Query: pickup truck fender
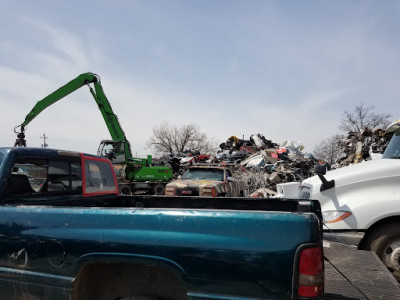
128 258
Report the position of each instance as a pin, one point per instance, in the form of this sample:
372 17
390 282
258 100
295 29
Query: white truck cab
361 203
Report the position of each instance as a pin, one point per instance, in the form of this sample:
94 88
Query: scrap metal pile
181 161
259 162
263 164
359 146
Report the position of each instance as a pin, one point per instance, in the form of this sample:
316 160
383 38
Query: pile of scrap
181 161
235 149
360 146
263 164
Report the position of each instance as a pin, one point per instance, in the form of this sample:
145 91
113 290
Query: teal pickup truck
66 233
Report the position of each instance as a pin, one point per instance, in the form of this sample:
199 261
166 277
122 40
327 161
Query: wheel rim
391 255
125 190
159 189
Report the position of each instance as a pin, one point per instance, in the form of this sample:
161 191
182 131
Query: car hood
194 183
366 171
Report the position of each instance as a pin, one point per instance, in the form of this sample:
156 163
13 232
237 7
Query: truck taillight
311 273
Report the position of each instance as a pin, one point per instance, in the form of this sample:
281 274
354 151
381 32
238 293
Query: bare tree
329 149
170 139
362 117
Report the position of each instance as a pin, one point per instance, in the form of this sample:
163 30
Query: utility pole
44 137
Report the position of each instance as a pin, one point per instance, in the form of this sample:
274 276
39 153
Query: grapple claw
20 141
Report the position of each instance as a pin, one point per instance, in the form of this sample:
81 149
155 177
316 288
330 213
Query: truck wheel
385 242
125 189
159 189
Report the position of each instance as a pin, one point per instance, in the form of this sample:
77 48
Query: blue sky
285 69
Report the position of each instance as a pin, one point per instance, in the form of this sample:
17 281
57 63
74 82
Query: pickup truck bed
66 233
243 247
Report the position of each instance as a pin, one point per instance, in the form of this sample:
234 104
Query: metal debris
263 164
361 146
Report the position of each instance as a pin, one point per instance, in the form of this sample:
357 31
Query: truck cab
361 203
113 150
36 173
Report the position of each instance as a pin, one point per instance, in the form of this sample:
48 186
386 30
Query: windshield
114 151
106 149
211 174
99 176
393 149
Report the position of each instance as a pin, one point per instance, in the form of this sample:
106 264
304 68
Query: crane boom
133 173
99 96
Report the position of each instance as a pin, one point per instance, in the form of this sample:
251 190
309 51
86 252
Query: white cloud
287 72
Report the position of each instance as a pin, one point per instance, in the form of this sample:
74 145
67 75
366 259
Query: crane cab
115 151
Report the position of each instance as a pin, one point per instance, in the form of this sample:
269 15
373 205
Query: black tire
159 189
385 242
125 189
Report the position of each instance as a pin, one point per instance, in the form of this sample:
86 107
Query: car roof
32 151
219 167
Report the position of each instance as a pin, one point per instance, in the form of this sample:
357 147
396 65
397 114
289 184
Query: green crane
133 174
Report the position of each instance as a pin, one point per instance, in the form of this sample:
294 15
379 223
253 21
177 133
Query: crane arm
60 93
99 96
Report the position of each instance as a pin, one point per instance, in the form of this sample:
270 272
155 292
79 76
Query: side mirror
320 169
231 179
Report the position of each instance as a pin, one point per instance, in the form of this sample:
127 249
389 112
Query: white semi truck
361 203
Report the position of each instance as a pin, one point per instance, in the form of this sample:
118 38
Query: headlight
170 191
334 216
208 191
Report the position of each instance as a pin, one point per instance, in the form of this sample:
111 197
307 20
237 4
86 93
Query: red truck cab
60 173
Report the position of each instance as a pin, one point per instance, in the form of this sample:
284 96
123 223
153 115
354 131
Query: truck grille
304 192
304 195
187 192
